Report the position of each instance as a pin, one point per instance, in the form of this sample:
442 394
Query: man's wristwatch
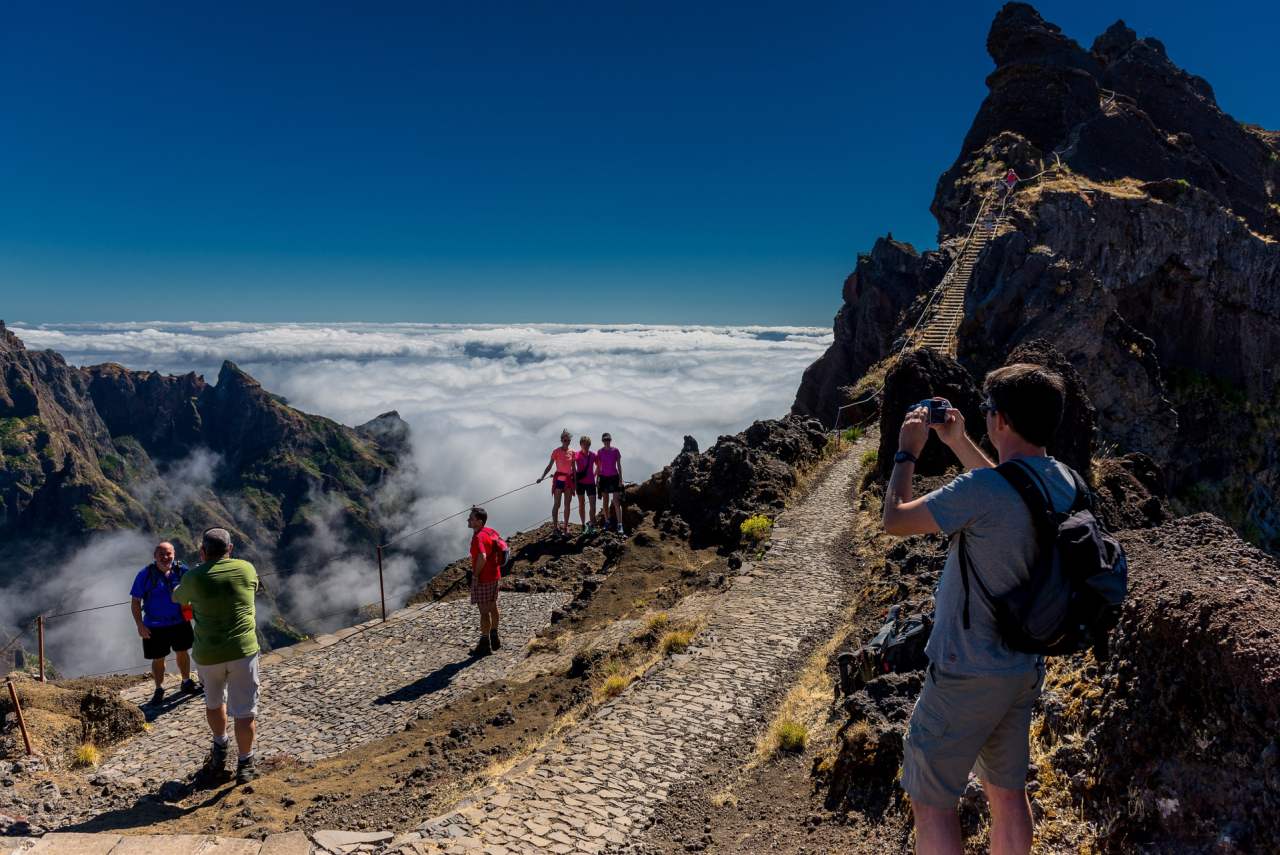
903 457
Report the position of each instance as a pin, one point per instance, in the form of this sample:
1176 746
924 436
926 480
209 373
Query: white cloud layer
485 403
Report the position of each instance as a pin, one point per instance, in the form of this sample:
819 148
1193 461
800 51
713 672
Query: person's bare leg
485 625
184 663
246 730
592 517
217 719
555 511
937 830
1011 827
582 512
568 506
157 672
493 616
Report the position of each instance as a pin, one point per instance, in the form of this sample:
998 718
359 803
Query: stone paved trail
597 789
326 696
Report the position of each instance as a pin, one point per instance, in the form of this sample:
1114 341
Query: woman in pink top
562 483
585 472
609 478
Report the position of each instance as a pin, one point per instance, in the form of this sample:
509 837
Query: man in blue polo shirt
162 625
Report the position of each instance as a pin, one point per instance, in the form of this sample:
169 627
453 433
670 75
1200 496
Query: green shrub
870 457
853 434
757 528
791 735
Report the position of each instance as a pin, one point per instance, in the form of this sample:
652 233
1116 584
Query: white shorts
233 683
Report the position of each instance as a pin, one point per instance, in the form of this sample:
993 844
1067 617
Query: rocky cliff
1145 250
104 448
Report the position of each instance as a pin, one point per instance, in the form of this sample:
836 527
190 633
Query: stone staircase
942 319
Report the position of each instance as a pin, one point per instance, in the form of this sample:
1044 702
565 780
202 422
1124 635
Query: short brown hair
480 514
1030 397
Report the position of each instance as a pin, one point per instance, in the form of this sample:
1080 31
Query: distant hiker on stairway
562 482
974 711
220 591
609 478
488 554
162 623
584 463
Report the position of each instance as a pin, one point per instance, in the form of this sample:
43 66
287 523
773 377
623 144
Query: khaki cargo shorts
961 723
234 684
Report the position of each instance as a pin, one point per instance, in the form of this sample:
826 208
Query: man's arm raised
952 433
902 514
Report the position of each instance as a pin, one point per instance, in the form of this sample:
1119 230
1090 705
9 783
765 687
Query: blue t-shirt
156 592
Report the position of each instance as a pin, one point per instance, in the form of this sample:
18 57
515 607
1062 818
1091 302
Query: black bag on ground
1078 581
897 647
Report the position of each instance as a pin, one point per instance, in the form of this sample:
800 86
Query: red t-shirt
483 541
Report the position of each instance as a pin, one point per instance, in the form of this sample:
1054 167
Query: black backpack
897 647
1077 583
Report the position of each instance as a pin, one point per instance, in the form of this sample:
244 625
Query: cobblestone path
325 696
596 790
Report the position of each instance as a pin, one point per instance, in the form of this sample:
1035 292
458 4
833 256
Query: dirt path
322 698
596 790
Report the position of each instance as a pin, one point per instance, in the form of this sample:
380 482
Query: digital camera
937 408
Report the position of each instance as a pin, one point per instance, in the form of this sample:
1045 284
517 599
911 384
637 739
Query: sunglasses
987 407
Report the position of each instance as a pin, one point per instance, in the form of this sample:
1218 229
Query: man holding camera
974 711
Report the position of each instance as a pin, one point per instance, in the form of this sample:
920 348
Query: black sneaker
482 648
495 643
157 696
190 687
246 770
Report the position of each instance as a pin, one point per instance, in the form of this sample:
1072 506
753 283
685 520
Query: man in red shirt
488 552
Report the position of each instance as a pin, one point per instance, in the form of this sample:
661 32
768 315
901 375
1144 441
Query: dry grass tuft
543 644
724 798
614 685
790 736
676 641
87 756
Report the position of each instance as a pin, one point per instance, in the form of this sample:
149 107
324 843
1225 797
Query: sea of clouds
485 403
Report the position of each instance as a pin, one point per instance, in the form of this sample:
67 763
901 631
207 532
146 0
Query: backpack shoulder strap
1084 496
966 570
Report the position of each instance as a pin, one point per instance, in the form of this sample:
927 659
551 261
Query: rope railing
38 622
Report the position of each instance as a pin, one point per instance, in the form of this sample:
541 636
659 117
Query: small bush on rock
757 528
87 756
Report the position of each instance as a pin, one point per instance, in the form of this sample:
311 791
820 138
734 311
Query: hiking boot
215 765
495 643
482 648
189 687
157 696
246 770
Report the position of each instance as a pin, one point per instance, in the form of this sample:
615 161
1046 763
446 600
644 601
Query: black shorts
165 638
587 490
610 484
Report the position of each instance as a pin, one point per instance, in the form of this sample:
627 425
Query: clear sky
523 161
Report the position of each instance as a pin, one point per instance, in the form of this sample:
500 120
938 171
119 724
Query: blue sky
622 162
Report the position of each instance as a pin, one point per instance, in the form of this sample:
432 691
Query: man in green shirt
220 592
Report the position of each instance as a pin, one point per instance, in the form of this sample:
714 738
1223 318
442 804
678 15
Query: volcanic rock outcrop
105 448
707 495
1144 250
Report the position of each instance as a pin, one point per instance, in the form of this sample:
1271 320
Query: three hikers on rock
585 473
974 711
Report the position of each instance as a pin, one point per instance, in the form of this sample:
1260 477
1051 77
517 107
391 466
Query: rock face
105 448
1149 260
1185 733
922 374
710 493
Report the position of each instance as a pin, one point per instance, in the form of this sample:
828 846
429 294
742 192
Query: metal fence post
40 633
382 590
